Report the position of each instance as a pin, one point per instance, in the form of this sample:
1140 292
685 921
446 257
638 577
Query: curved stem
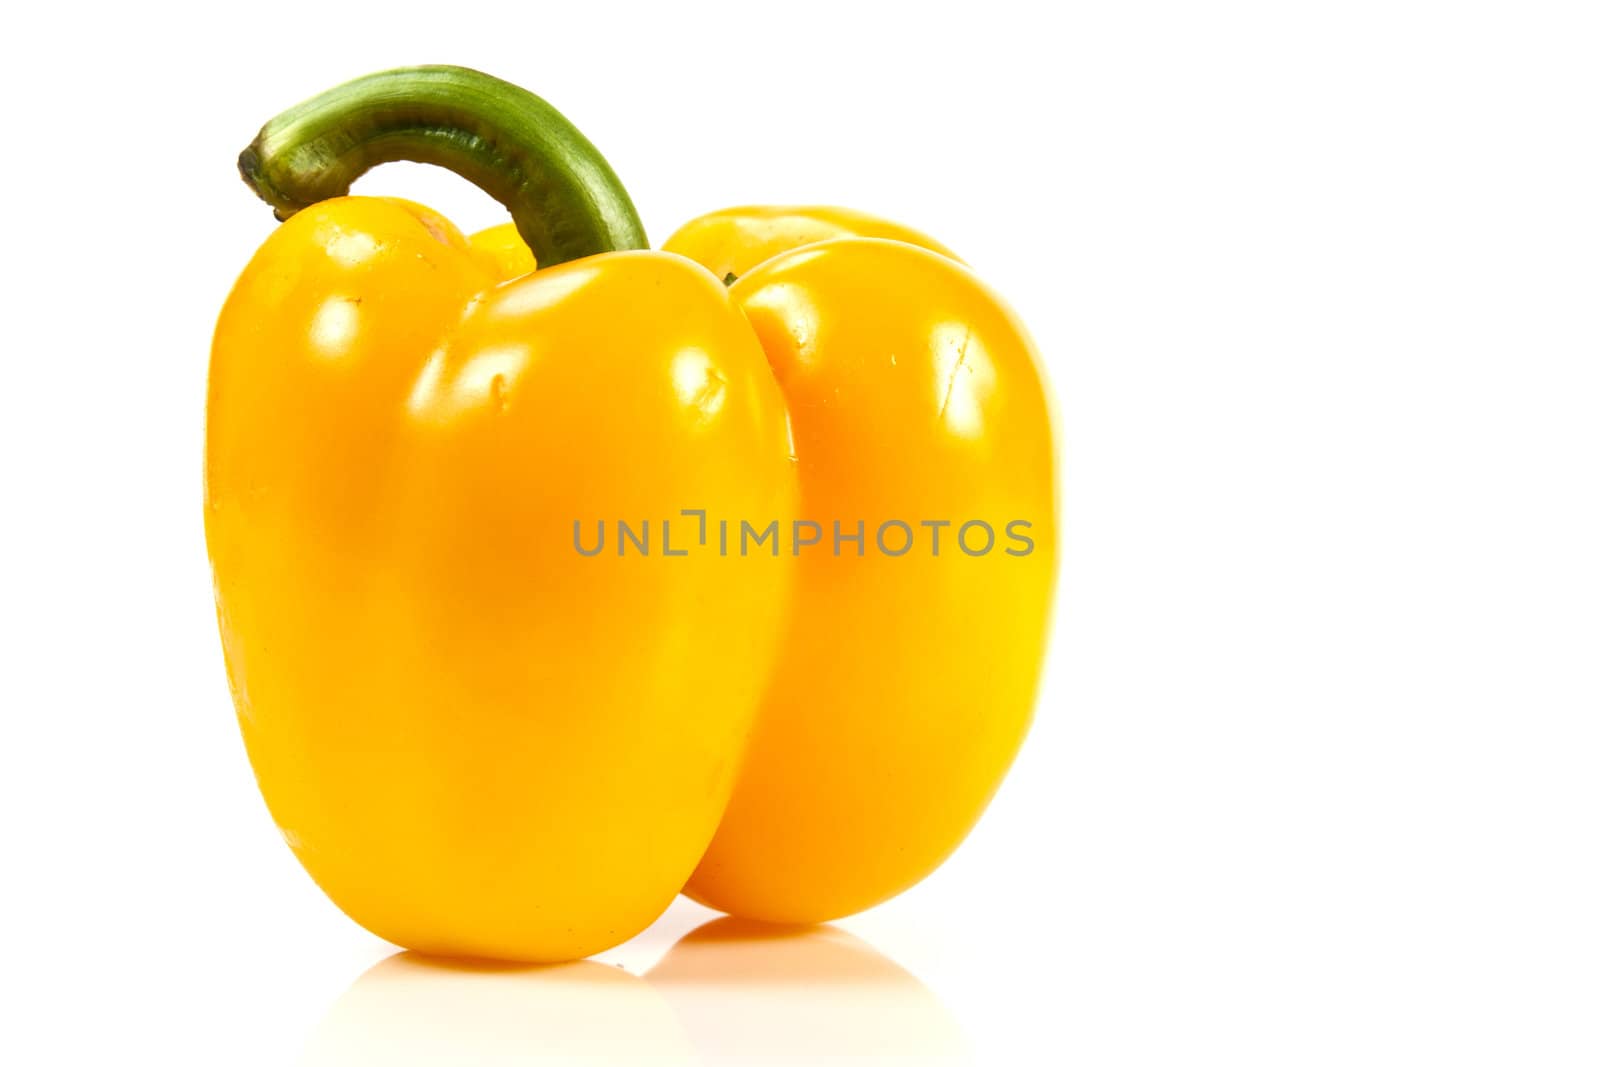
564 197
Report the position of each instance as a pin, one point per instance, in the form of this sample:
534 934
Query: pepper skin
502 251
477 741
734 241
906 683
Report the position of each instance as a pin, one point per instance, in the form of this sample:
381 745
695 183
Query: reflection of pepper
481 742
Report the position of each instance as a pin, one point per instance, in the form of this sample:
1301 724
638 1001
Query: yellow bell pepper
480 733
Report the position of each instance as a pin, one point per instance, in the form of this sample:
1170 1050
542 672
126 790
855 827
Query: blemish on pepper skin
709 398
961 359
435 230
498 393
699 383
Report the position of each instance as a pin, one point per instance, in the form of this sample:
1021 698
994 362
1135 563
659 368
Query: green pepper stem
564 197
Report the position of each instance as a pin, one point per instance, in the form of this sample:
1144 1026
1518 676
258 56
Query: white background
1314 773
